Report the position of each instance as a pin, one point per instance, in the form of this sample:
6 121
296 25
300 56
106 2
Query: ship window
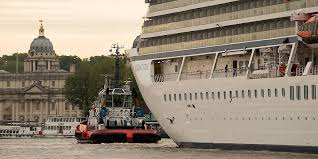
262 93
276 92
175 97
231 95
219 95
243 94
196 96
255 93
283 92
224 94
165 97
207 95
249 93
298 91
292 93
190 96
236 94
212 94
314 91
170 97
180 97
201 96
176 68
306 92
269 93
185 96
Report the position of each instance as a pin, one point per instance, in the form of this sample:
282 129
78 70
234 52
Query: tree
82 88
66 61
9 62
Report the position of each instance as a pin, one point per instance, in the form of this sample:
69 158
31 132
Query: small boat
16 130
59 126
114 117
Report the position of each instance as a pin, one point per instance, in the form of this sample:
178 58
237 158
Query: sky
76 27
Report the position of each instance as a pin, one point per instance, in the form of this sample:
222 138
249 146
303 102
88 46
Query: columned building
39 91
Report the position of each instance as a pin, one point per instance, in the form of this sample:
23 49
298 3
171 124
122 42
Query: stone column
26 103
1 109
46 109
41 110
30 113
12 105
17 105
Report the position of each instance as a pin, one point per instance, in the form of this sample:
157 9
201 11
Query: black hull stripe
254 147
237 46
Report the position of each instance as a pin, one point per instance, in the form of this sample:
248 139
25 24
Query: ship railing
222 73
265 72
165 77
195 75
313 70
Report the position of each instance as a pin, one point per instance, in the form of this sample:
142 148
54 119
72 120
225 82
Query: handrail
262 72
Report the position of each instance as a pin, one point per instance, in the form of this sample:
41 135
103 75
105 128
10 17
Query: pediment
35 88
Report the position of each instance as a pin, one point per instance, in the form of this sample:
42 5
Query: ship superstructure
231 73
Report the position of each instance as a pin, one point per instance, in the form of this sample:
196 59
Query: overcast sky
75 27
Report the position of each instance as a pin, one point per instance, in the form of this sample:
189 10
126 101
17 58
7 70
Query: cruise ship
231 74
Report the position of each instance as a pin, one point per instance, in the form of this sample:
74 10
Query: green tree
66 61
90 76
9 62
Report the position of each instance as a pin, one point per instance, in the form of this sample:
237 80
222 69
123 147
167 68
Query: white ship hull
274 121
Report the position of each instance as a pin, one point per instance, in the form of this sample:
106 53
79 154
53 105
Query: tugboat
114 117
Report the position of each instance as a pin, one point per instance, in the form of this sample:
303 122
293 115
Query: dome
41 45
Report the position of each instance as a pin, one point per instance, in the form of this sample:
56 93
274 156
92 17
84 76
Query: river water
165 149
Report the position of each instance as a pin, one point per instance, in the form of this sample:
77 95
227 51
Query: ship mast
117 64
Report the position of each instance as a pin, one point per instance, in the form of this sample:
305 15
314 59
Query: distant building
39 91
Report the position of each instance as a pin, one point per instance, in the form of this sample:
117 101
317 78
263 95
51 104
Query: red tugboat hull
119 136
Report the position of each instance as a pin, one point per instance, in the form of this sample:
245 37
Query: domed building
37 93
41 56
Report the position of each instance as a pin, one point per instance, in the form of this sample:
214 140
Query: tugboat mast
117 64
